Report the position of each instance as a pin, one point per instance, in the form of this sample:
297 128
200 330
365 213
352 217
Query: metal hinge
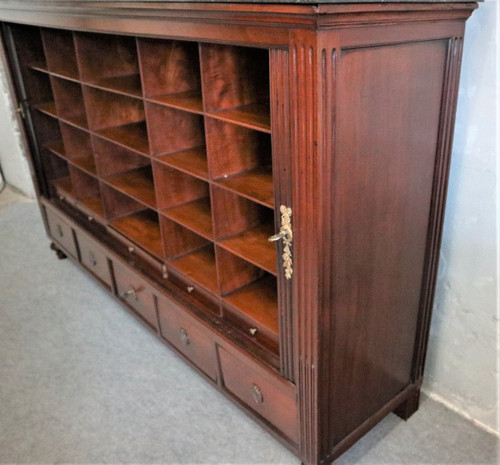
22 109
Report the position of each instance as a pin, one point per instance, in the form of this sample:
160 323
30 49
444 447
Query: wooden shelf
64 186
255 184
133 136
254 116
127 85
192 161
57 147
48 108
137 183
95 205
87 164
142 228
258 301
189 101
79 121
253 246
199 266
195 215
42 67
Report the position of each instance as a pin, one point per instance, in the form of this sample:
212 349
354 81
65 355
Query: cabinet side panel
388 118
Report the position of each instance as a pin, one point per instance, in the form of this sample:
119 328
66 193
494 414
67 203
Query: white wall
463 348
14 164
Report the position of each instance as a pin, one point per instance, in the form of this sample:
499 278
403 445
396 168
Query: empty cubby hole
60 53
78 148
109 61
190 254
171 73
184 199
250 297
113 159
118 118
172 130
133 220
243 228
69 101
236 84
241 160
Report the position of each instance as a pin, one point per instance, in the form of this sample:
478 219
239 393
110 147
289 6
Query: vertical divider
204 91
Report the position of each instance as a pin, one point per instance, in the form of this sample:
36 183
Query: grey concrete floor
82 382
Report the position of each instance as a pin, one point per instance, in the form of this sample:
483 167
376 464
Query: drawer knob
59 230
253 331
92 259
183 337
190 289
90 218
129 292
131 249
257 394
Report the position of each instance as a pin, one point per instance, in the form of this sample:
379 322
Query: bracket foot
409 406
60 254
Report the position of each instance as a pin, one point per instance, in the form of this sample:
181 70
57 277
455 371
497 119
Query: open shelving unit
168 144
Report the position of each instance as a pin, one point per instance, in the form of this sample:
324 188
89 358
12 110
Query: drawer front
133 251
94 258
61 232
133 290
194 291
267 394
187 336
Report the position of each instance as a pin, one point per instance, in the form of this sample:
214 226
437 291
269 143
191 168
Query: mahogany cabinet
262 185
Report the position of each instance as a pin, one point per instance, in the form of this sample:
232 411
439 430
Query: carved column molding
280 103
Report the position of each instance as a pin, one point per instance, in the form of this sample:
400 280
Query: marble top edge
269 2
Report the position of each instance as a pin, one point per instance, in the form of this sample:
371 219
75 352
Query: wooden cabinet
262 185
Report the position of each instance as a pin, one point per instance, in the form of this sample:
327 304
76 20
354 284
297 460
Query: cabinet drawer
196 292
187 336
133 290
61 232
267 394
94 258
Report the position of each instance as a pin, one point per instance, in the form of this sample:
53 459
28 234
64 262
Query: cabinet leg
60 254
409 406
